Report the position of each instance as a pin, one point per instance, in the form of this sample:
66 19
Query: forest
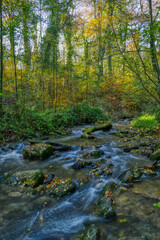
56 54
79 119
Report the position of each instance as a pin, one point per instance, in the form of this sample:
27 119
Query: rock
127 177
105 206
105 209
43 201
146 152
15 194
34 141
38 179
104 127
155 155
148 172
93 233
87 136
109 186
18 178
137 173
97 153
59 147
49 179
81 164
37 151
63 148
58 187
4 149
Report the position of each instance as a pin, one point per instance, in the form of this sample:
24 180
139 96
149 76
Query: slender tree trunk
1 58
14 57
153 46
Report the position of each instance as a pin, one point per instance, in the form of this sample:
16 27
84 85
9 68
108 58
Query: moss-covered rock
128 177
104 127
37 151
93 233
105 206
19 178
137 173
97 153
87 136
155 155
58 187
105 209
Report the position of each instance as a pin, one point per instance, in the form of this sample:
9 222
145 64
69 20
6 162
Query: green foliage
156 204
145 122
24 122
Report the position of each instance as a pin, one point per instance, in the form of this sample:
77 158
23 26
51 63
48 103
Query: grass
145 122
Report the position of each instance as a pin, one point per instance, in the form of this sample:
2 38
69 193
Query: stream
44 218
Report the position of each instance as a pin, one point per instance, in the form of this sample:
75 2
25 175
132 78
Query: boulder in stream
19 178
156 155
58 187
89 130
92 233
97 153
131 175
105 206
37 151
81 164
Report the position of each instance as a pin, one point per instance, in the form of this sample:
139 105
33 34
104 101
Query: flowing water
27 218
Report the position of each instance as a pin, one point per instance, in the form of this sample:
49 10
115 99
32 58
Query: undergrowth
23 122
146 121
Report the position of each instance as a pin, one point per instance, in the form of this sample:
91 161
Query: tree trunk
1 58
153 46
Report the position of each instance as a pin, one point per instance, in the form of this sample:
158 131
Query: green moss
37 151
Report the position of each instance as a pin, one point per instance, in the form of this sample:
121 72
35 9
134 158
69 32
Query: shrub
24 122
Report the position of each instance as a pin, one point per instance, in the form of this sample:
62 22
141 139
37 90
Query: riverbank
19 122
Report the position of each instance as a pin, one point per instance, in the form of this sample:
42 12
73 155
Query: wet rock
109 186
38 179
148 172
49 179
93 233
81 164
131 175
105 209
155 155
43 201
33 141
58 187
4 149
63 148
128 177
104 127
137 173
58 146
105 206
97 153
87 136
146 152
19 178
15 194
37 151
